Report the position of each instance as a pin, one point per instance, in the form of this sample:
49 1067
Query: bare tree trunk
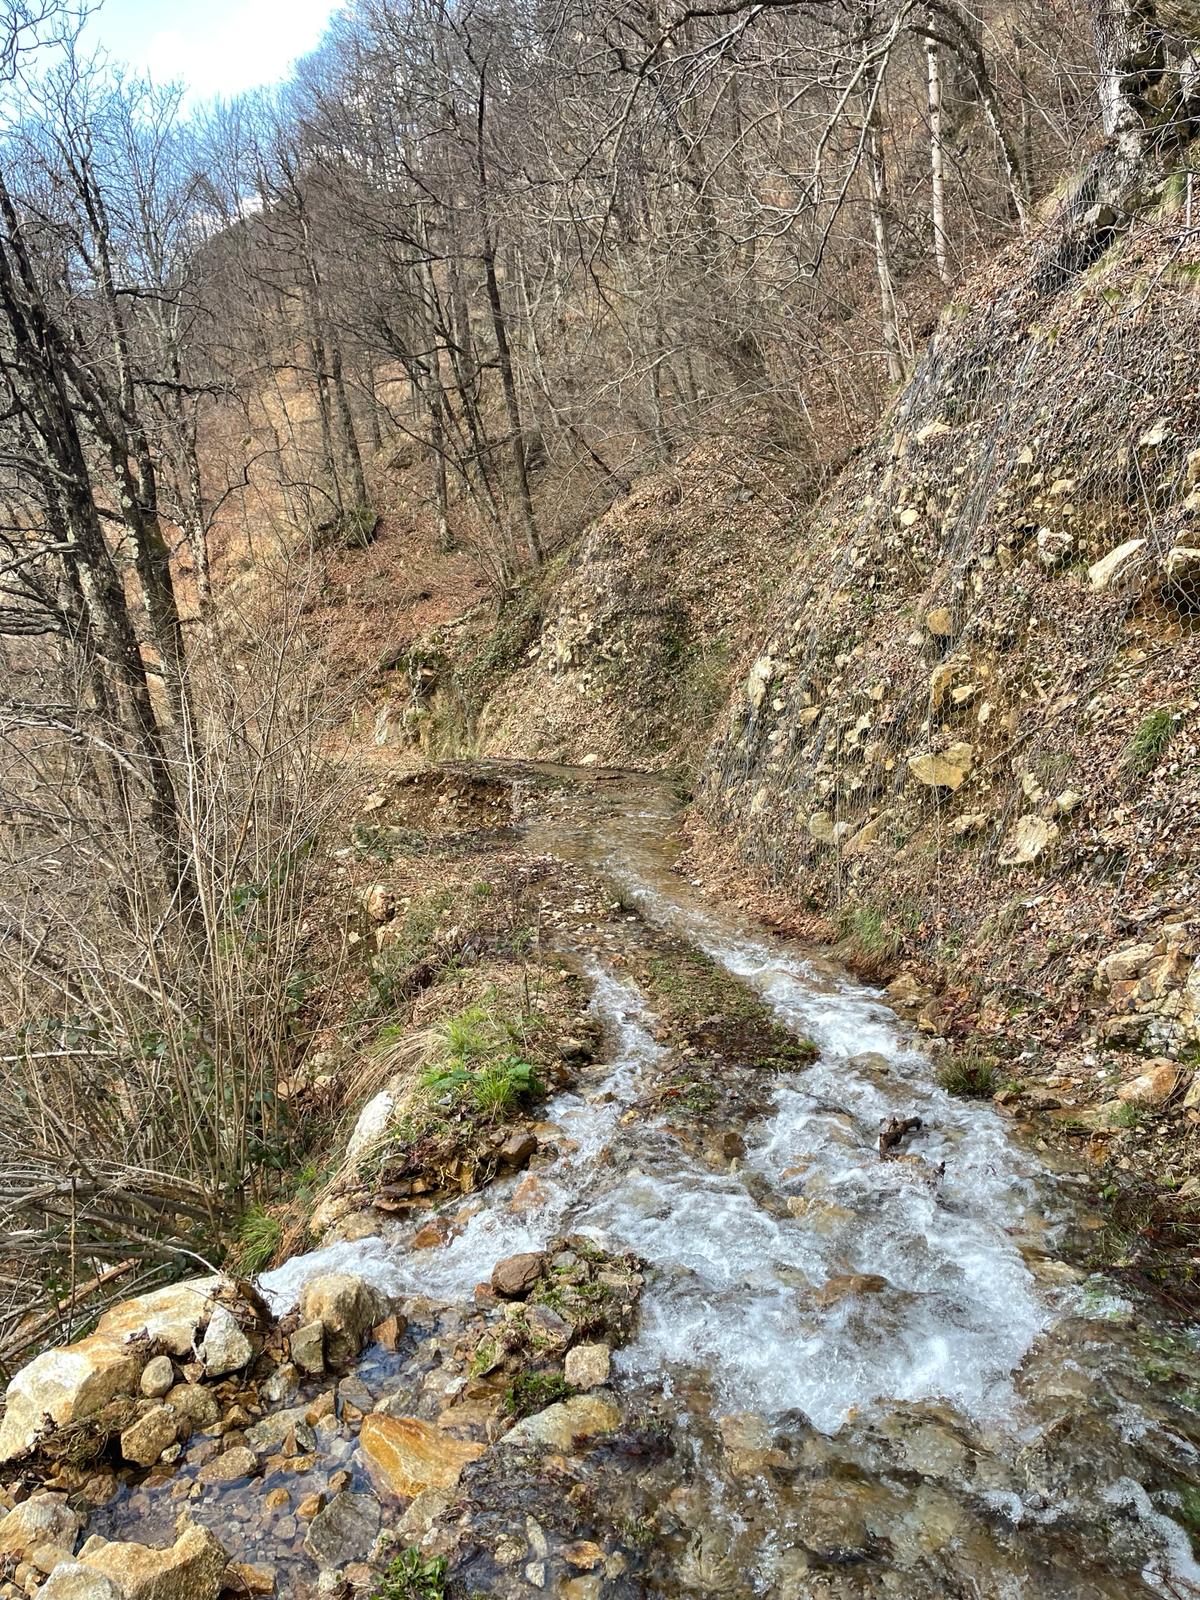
881 226
937 172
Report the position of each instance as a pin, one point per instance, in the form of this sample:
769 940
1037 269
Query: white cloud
245 44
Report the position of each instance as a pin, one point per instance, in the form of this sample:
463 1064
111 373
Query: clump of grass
970 1075
257 1237
477 1064
412 1576
534 1391
872 945
1149 742
1129 1115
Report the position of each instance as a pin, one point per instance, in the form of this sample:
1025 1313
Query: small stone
225 1348
940 622
518 1148
945 769
431 1234
1031 837
516 1275
309 1507
158 1378
195 1408
389 1332
307 1347
587 1366
1118 566
849 1285
282 1384
583 1554
346 1528
276 1499
145 1441
251 1580
229 1466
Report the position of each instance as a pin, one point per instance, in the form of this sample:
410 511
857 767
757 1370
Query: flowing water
882 1377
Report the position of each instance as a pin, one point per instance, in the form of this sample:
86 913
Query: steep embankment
969 740
625 648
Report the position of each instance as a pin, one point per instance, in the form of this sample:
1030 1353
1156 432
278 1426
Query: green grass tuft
971 1076
1149 742
412 1576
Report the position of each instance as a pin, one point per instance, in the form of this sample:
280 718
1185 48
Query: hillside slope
968 742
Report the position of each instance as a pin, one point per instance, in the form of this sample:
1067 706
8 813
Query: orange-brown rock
405 1455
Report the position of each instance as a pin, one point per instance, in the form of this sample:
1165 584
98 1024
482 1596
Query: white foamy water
735 1290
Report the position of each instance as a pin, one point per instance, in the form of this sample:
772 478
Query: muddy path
845 1375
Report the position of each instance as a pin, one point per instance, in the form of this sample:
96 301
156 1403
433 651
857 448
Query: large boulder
945 769
65 1385
193 1568
38 1526
405 1455
171 1317
1119 566
347 1307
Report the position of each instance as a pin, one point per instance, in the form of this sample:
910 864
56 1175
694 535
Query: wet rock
195 1408
587 1366
229 1466
344 1531
583 1554
307 1348
225 1348
247 1579
849 1285
310 1506
282 1384
43 1522
272 1431
193 1568
158 1379
389 1332
149 1436
406 1456
347 1307
431 1234
73 1581
518 1148
65 1385
516 1275
582 1417
527 1196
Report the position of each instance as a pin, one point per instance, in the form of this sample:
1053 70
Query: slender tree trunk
881 227
937 172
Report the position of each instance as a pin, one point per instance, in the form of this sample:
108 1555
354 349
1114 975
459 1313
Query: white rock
1118 566
372 1124
65 1385
1030 838
225 1348
73 1581
43 1519
159 1378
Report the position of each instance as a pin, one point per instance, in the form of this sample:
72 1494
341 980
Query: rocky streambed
704 1336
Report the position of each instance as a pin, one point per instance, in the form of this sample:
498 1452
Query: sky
215 47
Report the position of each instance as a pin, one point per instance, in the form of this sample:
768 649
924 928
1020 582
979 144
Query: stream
881 1378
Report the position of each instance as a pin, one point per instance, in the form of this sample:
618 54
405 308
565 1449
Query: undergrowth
970 1075
413 1576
